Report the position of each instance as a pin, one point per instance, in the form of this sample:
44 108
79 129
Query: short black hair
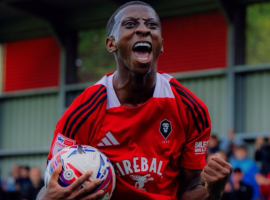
237 170
111 21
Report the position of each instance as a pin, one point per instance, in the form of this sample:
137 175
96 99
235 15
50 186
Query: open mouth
142 50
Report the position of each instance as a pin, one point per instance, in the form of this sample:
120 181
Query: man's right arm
215 176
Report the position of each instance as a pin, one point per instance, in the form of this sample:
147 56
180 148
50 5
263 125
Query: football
78 159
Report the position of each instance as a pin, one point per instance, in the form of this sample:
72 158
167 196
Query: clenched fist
215 175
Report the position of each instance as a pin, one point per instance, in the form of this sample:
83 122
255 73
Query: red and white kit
147 144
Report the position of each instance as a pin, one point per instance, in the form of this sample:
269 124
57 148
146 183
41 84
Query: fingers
217 158
216 170
56 172
88 188
213 175
73 191
94 196
76 184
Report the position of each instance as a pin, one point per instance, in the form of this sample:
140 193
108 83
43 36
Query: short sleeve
80 120
61 138
198 128
194 151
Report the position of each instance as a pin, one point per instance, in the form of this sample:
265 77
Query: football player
153 129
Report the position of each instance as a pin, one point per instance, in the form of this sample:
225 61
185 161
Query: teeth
142 44
142 59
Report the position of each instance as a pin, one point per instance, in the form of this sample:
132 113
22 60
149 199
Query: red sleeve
197 127
265 190
80 121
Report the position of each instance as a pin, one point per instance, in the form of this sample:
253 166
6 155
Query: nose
142 31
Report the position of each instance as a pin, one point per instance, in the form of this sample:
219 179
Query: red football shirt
148 144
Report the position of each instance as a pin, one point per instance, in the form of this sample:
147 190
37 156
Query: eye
152 25
129 24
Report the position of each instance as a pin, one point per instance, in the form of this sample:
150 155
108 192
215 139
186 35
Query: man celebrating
153 129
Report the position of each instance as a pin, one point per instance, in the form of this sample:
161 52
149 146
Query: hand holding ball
77 160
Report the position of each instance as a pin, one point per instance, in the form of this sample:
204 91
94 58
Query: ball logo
60 139
165 128
61 142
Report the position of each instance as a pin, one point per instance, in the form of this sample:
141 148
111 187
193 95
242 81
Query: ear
162 49
111 44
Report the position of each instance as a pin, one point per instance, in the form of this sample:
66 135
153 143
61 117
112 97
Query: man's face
237 177
240 153
138 41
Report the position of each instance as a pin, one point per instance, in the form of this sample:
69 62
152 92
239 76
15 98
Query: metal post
59 34
230 77
240 44
62 83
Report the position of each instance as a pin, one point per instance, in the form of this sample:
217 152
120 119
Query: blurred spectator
213 145
24 180
262 154
31 192
248 167
228 192
11 185
1 193
228 143
264 183
237 189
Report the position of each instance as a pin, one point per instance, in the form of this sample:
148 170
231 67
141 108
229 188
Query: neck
134 89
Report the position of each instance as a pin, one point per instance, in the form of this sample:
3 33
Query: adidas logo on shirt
108 140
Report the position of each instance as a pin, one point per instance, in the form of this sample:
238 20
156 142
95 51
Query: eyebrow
133 18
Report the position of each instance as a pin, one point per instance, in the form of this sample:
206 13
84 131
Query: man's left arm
214 175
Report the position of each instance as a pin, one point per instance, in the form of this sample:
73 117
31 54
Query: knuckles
216 171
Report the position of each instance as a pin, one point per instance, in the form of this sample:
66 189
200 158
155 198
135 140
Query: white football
78 159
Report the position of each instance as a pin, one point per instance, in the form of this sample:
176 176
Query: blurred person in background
213 145
1 191
248 167
10 185
24 180
236 189
229 142
262 154
264 184
31 192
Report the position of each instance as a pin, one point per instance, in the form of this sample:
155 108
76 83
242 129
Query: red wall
194 42
31 64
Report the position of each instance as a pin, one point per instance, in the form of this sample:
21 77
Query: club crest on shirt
165 128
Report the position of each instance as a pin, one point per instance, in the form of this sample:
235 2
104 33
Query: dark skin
215 175
135 79
56 192
134 83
